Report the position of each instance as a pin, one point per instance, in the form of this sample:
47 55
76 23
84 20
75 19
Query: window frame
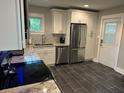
36 15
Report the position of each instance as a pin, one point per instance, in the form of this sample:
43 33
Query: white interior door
109 41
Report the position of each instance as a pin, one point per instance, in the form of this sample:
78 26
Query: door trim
114 16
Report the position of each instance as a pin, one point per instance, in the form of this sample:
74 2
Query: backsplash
41 39
36 39
57 37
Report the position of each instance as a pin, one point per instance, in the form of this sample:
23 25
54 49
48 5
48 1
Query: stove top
26 73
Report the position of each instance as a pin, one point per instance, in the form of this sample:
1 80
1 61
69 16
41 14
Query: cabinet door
49 58
57 22
64 22
79 17
91 35
10 25
47 55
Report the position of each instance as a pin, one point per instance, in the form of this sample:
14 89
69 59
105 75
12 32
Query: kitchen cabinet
59 21
47 54
12 28
62 54
79 17
91 35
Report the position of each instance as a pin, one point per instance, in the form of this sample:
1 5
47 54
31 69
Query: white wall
120 63
48 23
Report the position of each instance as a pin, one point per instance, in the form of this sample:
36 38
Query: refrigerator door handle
79 44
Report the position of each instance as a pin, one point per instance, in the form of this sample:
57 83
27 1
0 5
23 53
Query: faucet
43 39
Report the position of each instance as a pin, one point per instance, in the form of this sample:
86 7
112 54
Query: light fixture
86 5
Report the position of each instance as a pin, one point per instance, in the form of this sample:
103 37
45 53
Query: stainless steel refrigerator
77 42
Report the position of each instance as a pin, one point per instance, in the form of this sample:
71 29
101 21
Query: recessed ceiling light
86 5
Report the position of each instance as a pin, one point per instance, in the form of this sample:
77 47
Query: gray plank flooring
88 77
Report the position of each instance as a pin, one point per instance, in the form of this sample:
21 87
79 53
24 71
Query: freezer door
77 55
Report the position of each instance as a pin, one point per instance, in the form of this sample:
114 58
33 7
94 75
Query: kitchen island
30 75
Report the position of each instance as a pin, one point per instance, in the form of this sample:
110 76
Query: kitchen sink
42 45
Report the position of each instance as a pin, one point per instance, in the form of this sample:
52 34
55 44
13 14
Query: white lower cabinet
47 55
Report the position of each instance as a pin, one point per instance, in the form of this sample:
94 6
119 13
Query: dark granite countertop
26 73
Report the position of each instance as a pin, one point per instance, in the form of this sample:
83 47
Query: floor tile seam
84 79
84 88
119 88
61 87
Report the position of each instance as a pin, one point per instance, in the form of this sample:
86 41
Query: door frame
114 16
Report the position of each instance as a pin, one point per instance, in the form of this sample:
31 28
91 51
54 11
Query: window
36 23
110 31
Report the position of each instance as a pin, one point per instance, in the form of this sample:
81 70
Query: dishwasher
62 55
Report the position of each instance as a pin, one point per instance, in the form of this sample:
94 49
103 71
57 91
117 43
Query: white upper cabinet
58 21
11 25
78 17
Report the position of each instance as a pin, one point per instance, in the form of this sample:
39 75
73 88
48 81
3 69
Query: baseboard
49 65
119 70
95 60
89 59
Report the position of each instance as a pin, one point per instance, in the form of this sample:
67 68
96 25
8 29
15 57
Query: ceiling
93 4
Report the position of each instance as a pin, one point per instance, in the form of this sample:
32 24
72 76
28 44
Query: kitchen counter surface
60 44
41 87
45 47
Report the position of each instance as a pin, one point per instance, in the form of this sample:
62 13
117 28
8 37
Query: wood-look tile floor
88 77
